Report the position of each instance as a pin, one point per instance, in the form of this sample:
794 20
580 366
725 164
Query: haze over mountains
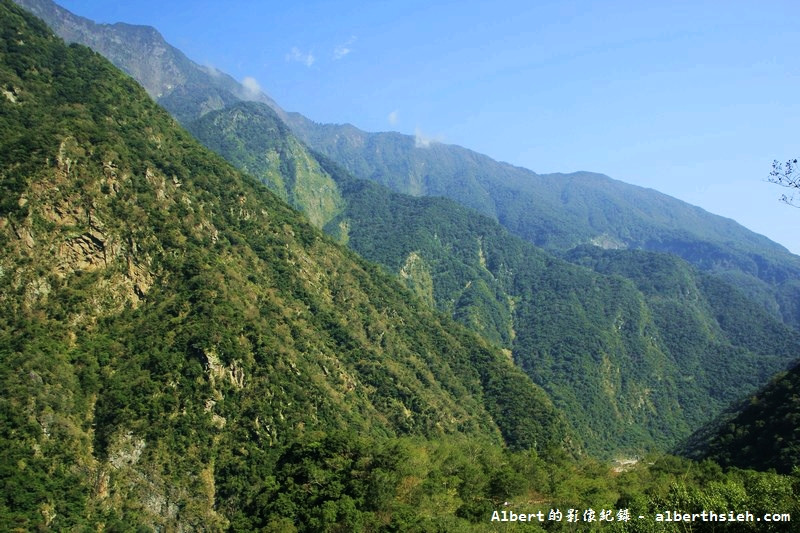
204 336
559 212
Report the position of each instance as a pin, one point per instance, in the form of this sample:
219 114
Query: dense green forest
253 138
762 431
642 365
556 211
183 351
168 326
561 211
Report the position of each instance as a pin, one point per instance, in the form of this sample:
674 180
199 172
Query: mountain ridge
141 51
60 19
736 266
523 299
339 135
760 432
561 211
181 351
172 333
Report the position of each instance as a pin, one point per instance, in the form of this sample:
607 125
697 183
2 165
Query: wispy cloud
300 57
393 116
211 69
424 141
343 49
251 85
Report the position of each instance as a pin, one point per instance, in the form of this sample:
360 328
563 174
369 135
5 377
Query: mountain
181 351
761 432
187 89
634 366
178 344
252 136
554 211
561 211
611 411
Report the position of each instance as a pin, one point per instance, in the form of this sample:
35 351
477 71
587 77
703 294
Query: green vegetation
181 351
555 211
252 137
186 89
761 432
169 327
697 313
642 365
561 211
334 483
634 364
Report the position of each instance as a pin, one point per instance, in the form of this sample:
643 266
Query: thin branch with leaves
787 175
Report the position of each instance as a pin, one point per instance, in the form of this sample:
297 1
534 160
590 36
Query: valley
254 323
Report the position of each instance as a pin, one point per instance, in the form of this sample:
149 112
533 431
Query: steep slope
609 355
187 89
657 359
596 208
255 139
559 322
698 313
556 211
762 432
170 331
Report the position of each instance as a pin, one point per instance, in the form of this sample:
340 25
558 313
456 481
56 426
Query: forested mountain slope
261 145
253 137
186 88
556 211
209 370
632 367
761 432
561 211
173 335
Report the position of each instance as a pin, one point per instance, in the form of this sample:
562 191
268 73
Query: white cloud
423 141
300 57
343 49
340 51
392 118
212 70
251 85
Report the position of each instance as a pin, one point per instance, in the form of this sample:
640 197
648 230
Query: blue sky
694 99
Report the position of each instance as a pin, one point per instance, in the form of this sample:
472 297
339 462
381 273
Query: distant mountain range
181 350
561 211
652 392
635 365
554 211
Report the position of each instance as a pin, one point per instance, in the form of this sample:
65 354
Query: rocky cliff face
187 89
